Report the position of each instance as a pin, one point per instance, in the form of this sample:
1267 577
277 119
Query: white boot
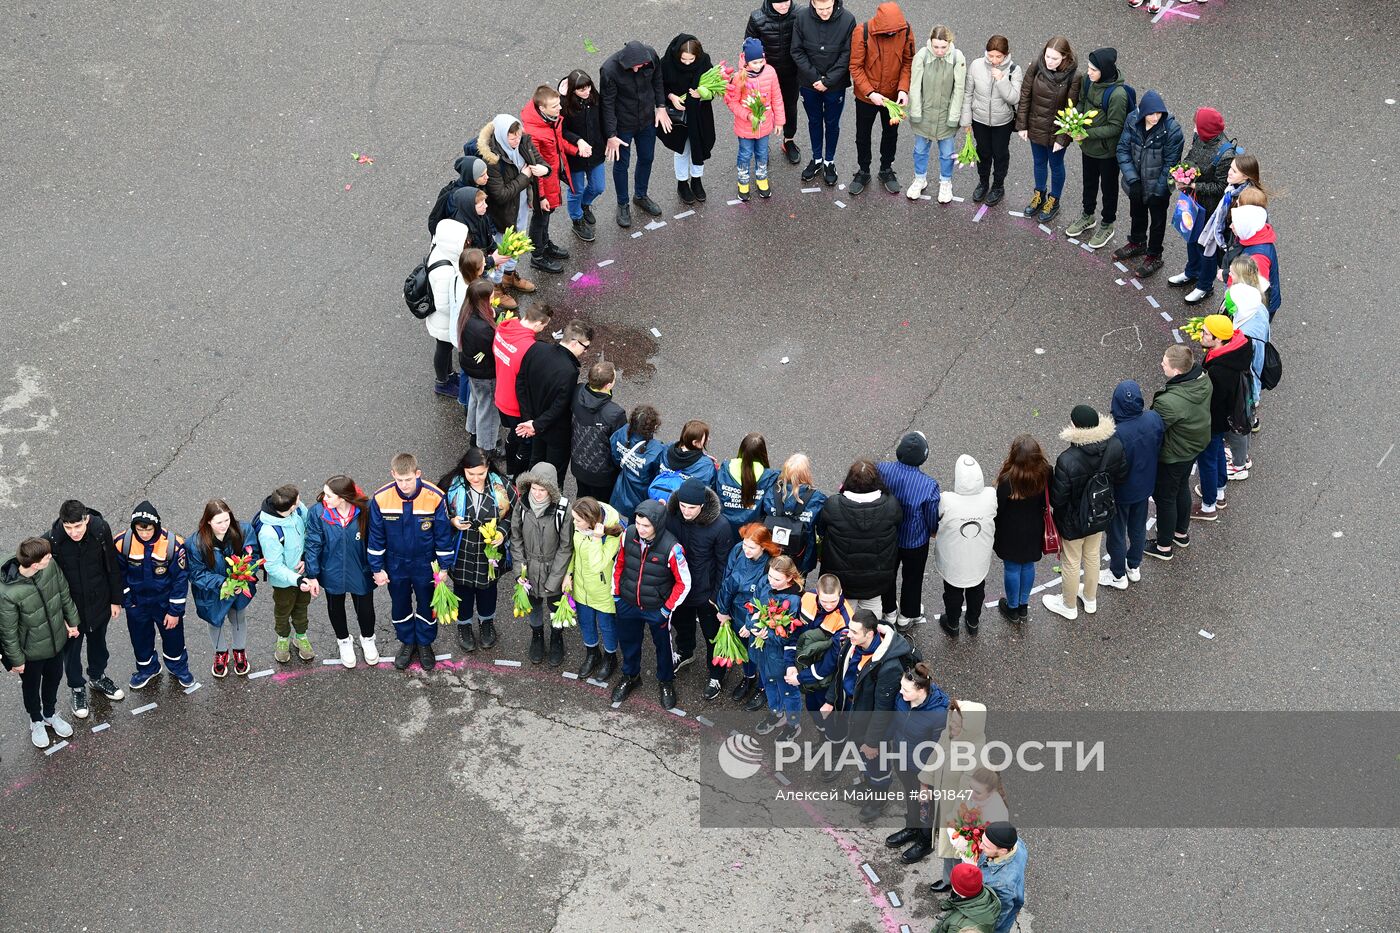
347 652
59 726
945 191
916 188
370 649
38 735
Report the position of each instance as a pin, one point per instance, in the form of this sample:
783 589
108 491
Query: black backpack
784 525
417 293
1239 418
1273 367
439 210
1096 503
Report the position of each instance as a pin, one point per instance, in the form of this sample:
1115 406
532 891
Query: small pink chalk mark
347 186
981 212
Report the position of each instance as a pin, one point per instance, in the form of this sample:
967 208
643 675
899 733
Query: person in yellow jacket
597 537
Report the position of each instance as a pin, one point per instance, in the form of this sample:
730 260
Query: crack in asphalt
180 448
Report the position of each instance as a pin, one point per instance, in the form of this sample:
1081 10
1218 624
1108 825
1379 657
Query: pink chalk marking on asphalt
853 855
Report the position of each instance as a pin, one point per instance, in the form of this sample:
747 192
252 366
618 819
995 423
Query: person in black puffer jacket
583 127
1093 449
821 53
772 25
596 417
476 330
695 518
859 534
82 547
650 580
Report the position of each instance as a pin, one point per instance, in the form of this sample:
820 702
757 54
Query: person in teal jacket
220 536
743 482
282 537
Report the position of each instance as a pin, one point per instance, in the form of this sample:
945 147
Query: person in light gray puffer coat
992 93
542 542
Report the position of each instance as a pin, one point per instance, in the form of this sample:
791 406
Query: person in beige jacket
992 93
967 722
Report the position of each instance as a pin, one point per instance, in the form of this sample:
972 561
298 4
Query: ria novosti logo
740 756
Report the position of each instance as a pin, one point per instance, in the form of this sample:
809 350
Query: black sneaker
757 702
979 192
697 188
995 195
667 691
543 263
583 231
405 656
950 625
588 217
858 183
788 732
648 205
712 689
624 215
794 154
107 688
555 251
1157 551
80 704
829 174
890 181
1181 540
681 662
768 724
684 193
813 169
1129 250
1009 613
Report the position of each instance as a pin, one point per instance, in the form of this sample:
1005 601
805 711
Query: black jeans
601 492
96 652
442 360
553 448
683 631
39 684
955 596
866 115
364 613
912 561
517 447
1149 223
1173 497
1101 175
993 152
917 813
539 230
787 85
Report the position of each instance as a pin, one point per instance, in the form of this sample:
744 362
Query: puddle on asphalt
628 347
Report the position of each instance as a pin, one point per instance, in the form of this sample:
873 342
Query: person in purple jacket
918 495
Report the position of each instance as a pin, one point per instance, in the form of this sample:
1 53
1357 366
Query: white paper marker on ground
605 262
656 225
59 747
576 276
1204 634
839 203
1154 303
655 332
503 662
265 673
869 872
682 215
637 234
141 709
102 727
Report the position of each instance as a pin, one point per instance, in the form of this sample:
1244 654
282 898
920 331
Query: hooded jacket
282 552
543 544
1045 93
729 483
481 230
155 573
545 388
638 459
1224 365
988 101
505 182
653 576
860 542
697 127
967 519
1145 156
90 567
765 84
35 614
336 552
1091 451
630 98
821 48
692 464
512 341
207 576
706 541
871 704
449 288
1141 435
774 30
882 53
1251 317
554 149
1261 244
936 90
592 563
979 913
596 418
1104 133
1184 404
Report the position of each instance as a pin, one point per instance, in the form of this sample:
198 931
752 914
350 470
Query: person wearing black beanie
156 577
1003 864
1102 90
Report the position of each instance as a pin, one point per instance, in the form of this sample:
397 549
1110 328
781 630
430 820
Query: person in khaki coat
967 722
542 541
936 81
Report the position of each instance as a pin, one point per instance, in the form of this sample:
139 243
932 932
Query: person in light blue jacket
1003 864
337 561
220 536
281 527
1245 303
744 481
636 451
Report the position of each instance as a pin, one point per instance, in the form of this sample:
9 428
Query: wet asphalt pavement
203 300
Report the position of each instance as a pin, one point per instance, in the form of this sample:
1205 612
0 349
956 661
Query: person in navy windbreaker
337 561
636 451
1141 433
795 497
408 531
745 569
219 537
743 482
156 571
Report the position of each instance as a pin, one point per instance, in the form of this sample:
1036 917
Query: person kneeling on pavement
973 906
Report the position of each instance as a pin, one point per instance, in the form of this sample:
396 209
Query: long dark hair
572 102
478 301
212 510
350 491
1025 470
1060 44
473 457
752 449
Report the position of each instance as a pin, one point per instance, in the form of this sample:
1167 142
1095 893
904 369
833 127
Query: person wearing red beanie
1210 123
973 905
1211 153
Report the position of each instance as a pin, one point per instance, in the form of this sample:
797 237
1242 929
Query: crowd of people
664 541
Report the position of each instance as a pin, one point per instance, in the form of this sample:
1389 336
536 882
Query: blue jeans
644 141
1201 267
823 120
1211 463
1046 158
1018 579
947 148
755 151
1127 535
586 188
593 625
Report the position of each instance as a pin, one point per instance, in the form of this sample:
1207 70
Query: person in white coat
449 288
963 548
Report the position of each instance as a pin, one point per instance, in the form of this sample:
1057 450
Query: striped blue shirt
918 495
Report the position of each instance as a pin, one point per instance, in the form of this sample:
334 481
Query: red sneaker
240 663
220 668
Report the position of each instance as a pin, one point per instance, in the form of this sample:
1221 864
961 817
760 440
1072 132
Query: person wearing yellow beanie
1228 356
1218 326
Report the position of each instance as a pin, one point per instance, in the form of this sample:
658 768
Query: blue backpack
666 483
257 525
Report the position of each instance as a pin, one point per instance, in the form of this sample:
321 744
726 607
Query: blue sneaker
186 681
139 680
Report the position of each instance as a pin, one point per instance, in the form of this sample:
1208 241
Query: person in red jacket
513 338
542 121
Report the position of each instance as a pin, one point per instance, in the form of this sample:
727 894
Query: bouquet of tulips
965 832
565 614
715 82
520 599
515 244
1193 327
896 110
1073 123
968 154
1184 174
757 108
492 538
240 574
771 617
728 649
445 602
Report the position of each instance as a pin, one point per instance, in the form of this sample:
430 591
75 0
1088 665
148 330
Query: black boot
668 695
591 660
488 633
404 658
697 188
624 686
972 625
873 810
536 645
1009 613
758 701
744 689
609 667
684 193
466 637
902 838
541 261
426 657
554 251
556 647
920 850
949 623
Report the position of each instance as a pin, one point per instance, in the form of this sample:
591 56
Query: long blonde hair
1245 269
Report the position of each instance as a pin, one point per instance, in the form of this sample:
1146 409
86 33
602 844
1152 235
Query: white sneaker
1057 605
1241 473
1195 295
347 652
1181 278
1091 606
1106 578
1134 574
890 618
38 735
916 188
370 649
945 191
59 726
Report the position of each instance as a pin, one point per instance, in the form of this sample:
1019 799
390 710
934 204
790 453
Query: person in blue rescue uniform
408 530
156 584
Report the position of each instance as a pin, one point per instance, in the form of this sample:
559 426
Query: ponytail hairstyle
471 263
787 567
759 534
212 510
920 676
478 302
350 491
753 449
591 511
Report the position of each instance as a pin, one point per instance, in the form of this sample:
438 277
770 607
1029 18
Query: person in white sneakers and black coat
1081 498
81 541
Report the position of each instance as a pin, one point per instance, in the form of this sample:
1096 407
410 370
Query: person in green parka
937 82
37 617
1105 91
972 906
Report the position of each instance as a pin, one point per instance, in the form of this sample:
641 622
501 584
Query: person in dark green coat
973 906
1184 404
37 617
1099 146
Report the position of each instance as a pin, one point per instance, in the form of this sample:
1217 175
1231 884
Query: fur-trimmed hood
709 512
543 475
485 140
1082 437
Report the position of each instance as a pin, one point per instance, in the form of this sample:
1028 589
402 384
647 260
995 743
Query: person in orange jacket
882 54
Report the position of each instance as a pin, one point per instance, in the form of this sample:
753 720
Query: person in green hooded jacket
37 617
973 906
1184 404
1105 91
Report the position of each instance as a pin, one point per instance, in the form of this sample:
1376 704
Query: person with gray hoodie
963 548
542 542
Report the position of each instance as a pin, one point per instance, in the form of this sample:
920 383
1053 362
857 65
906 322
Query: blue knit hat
753 49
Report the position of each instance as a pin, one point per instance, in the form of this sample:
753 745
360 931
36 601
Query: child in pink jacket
754 78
